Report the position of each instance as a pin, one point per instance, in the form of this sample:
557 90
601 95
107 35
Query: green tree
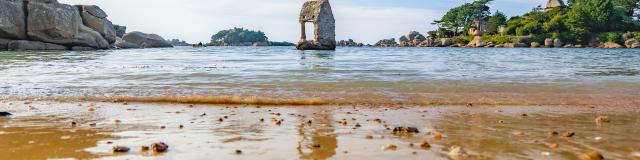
462 18
495 21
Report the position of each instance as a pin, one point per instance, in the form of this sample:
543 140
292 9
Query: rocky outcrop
535 44
515 45
548 42
141 40
21 45
49 25
387 43
120 30
349 43
476 42
632 43
557 43
4 43
53 22
610 45
12 16
96 19
555 4
320 14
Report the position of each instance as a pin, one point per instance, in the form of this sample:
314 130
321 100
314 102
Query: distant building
555 4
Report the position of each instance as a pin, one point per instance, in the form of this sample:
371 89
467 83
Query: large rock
403 39
632 43
52 22
548 42
611 45
535 44
477 42
445 42
142 40
96 19
3 44
21 45
12 15
515 45
120 30
557 43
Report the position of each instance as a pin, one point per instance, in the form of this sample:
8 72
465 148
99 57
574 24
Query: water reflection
43 142
317 139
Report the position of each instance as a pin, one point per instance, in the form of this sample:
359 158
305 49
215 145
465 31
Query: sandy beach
84 130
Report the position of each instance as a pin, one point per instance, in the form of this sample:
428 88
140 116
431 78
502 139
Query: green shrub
610 37
636 35
500 39
538 38
459 39
521 39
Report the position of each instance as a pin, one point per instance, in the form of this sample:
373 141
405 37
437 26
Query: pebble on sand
568 134
159 147
144 148
238 151
591 155
456 152
120 149
554 145
391 147
425 145
602 119
5 114
368 136
405 130
437 137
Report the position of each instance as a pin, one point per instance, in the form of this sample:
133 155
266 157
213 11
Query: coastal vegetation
581 22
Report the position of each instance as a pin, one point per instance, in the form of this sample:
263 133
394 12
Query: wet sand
43 129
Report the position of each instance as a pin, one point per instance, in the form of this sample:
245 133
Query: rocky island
243 37
50 25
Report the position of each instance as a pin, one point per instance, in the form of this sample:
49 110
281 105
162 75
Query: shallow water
43 129
383 75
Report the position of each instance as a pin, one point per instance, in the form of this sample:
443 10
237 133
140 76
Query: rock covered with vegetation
243 37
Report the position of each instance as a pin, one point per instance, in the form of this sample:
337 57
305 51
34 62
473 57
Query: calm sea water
400 74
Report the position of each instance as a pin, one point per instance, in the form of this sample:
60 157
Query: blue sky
362 20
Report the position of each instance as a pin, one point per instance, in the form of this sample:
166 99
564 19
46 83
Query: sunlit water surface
399 75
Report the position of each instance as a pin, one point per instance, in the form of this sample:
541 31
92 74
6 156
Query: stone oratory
319 13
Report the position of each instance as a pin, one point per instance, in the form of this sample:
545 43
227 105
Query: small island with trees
577 24
243 37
